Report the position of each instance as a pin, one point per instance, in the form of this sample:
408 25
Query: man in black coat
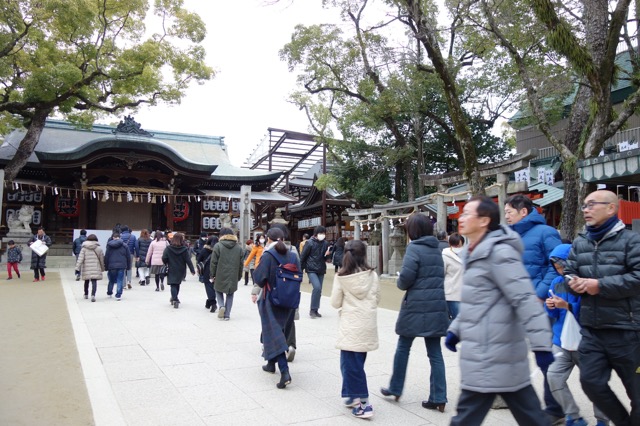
605 266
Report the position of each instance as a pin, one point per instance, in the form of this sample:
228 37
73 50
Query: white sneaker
221 312
291 354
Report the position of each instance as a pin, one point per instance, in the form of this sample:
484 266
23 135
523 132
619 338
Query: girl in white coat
356 293
453 270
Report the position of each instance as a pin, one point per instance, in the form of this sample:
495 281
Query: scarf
595 233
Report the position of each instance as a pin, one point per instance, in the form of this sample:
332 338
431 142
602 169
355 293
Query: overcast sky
249 92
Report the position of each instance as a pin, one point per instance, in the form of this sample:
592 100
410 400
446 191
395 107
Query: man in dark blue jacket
313 261
605 262
539 240
117 260
130 241
77 246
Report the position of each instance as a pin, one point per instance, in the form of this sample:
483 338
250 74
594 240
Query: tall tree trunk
27 144
411 187
398 181
571 220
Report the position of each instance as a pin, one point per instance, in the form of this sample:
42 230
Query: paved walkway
146 363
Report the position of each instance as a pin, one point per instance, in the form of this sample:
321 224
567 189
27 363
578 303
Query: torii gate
501 170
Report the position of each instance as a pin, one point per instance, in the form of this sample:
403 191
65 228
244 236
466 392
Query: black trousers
524 405
602 350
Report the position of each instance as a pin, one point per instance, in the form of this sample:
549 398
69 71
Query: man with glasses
539 240
604 264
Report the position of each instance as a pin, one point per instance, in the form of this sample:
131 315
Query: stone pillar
442 210
245 212
385 243
503 182
356 228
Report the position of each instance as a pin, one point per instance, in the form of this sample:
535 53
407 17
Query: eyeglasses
591 204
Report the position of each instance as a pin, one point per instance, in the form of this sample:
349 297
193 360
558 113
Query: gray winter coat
90 261
499 311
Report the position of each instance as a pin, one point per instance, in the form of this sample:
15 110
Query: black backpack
285 292
201 265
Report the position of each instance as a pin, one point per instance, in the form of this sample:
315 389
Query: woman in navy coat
423 312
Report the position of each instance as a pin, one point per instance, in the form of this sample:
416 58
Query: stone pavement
146 363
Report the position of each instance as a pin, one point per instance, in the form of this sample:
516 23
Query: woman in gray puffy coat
423 312
90 263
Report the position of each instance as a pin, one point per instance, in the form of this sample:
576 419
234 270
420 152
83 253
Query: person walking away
130 241
539 240
141 250
226 271
91 265
558 305
253 260
77 246
443 241
356 294
338 253
248 246
605 260
423 312
154 258
117 260
500 320
276 321
312 259
453 274
305 237
178 258
39 263
205 257
14 257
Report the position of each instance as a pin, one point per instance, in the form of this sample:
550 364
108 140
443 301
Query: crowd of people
493 291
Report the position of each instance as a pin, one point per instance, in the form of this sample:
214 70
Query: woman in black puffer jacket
178 258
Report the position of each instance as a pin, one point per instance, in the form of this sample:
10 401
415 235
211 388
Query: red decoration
67 207
180 211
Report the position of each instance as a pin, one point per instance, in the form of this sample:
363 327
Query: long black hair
276 234
355 258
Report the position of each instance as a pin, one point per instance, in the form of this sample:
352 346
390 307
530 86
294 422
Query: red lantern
67 207
180 211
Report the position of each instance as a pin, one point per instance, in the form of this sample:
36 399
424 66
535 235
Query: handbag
164 269
141 264
570 336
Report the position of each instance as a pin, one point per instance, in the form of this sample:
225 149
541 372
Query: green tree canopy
83 59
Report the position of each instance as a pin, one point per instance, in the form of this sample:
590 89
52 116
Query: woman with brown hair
90 265
177 257
142 247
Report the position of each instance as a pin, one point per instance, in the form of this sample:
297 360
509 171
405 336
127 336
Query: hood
451 255
427 240
504 235
115 244
177 249
91 245
561 251
358 284
532 219
229 237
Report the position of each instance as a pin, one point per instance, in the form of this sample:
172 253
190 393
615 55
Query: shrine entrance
134 215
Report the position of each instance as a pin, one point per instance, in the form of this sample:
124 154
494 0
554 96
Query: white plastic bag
570 336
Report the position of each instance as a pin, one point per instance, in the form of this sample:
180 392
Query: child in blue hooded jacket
557 304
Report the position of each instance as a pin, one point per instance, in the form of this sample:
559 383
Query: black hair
83 232
418 225
455 239
520 202
319 230
124 228
226 231
442 235
355 258
283 228
276 234
11 242
159 235
487 208
340 242
305 236
212 241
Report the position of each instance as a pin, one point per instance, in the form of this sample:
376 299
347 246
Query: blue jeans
228 304
454 308
115 276
354 379
316 282
438 379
